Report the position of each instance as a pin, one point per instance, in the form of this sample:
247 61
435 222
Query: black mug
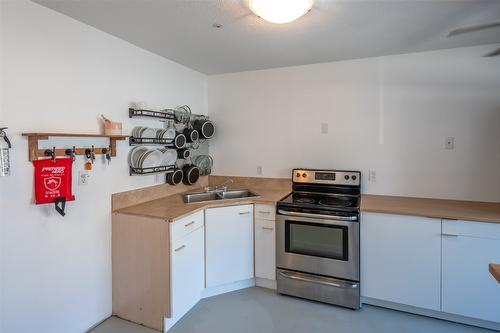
183 153
191 174
205 128
175 177
191 135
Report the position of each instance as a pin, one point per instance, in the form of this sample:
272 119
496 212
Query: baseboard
98 323
265 283
225 288
431 313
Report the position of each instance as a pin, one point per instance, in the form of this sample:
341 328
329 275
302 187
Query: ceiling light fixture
280 11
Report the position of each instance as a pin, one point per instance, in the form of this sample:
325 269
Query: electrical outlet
372 175
83 177
259 169
449 143
324 128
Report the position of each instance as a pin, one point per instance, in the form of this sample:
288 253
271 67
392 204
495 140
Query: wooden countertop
435 208
172 207
495 271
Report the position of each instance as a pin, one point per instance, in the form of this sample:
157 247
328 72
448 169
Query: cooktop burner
340 201
303 200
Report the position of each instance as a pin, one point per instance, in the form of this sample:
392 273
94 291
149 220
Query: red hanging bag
53 182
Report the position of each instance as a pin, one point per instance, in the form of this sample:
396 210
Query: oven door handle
322 216
320 280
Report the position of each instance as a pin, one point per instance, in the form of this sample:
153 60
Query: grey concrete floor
261 310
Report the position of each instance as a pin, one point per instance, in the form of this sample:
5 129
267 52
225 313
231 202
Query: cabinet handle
180 248
268 228
188 224
244 213
449 235
264 212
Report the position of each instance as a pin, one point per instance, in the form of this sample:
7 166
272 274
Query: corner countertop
172 207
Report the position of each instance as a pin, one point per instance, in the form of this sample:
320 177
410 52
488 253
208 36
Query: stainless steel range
317 237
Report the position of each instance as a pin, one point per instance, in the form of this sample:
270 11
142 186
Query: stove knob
354 177
346 177
298 174
304 175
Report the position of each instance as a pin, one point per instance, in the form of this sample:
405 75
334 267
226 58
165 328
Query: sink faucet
221 187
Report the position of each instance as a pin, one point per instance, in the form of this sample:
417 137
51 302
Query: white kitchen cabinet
265 242
229 244
187 269
468 288
401 259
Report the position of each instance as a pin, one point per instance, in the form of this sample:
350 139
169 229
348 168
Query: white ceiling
181 30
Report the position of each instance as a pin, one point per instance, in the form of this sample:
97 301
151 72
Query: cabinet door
265 249
401 259
187 273
468 287
229 244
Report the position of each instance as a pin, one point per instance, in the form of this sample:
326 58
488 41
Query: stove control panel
330 177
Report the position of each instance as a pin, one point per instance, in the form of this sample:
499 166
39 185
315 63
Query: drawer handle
268 228
180 248
264 212
188 224
244 213
448 235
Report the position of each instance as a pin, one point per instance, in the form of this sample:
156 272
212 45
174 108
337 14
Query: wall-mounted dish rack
164 115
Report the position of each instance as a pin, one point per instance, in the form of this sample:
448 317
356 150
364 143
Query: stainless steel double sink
218 195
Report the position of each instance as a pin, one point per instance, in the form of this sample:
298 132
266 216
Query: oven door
323 246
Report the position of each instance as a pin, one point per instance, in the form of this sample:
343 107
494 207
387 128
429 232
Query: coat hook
70 153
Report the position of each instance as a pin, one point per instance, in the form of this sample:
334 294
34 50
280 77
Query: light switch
449 143
324 128
372 175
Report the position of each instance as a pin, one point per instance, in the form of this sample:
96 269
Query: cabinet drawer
185 225
265 212
471 229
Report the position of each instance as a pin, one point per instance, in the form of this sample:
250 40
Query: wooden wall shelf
35 152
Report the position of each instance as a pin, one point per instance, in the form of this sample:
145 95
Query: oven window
315 239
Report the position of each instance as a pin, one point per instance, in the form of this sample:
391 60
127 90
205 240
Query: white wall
389 114
59 75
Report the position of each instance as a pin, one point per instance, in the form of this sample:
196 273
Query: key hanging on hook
106 153
88 156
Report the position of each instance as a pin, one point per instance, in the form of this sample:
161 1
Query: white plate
135 131
169 157
159 133
148 132
134 155
152 158
169 133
